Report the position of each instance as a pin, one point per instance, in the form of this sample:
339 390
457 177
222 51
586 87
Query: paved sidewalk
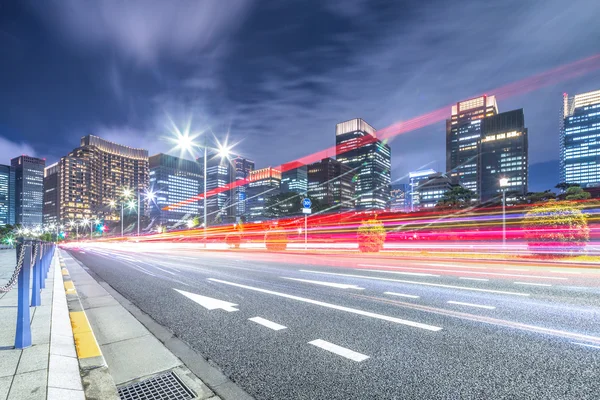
49 368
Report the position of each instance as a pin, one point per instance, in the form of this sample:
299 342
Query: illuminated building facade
463 135
427 187
7 195
174 180
400 197
51 208
580 139
96 174
29 190
220 172
294 178
243 167
330 182
264 182
357 147
503 154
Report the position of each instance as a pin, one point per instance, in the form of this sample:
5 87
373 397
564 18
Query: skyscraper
174 180
463 134
7 195
400 194
51 209
263 183
243 167
29 190
427 187
357 146
220 172
503 154
330 182
579 139
294 178
95 174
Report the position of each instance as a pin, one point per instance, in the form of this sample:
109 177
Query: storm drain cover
161 387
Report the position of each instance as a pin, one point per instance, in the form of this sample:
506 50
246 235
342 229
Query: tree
563 186
455 198
276 240
287 204
539 197
577 193
371 236
556 226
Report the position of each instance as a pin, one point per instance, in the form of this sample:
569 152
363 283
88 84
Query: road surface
287 326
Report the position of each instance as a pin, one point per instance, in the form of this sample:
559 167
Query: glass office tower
29 190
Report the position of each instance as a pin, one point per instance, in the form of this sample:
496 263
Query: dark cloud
278 76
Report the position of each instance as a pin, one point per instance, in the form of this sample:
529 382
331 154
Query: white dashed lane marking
339 350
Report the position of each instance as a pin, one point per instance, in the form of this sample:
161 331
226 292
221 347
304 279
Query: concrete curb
95 377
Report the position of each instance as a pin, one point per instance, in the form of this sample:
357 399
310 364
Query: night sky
276 76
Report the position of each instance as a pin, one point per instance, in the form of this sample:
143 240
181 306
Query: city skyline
137 88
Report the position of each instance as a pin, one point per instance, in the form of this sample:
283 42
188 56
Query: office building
220 174
580 139
331 183
294 178
51 208
263 183
29 190
174 182
7 195
369 158
243 167
503 154
399 197
95 175
427 187
463 135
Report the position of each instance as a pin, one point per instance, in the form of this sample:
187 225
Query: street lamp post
503 184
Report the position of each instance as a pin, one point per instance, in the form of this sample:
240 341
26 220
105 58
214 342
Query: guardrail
34 258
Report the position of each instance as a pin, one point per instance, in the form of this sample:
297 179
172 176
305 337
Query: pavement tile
62 345
65 394
130 359
101 301
34 358
114 323
5 386
8 362
64 373
29 386
40 330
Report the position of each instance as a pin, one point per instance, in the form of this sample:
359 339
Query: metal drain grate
161 387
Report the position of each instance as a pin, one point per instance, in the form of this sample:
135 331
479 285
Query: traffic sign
306 210
306 203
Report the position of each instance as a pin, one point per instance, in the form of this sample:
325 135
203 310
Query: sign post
306 203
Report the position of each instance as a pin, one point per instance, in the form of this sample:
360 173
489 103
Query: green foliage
556 226
456 198
539 197
371 236
577 193
276 240
47 237
288 204
6 234
564 186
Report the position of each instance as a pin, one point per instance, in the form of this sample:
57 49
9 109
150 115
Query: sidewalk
49 368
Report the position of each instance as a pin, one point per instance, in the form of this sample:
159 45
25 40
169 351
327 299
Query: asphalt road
288 326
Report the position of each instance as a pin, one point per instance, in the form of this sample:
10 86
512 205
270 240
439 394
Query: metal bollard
23 335
43 272
36 295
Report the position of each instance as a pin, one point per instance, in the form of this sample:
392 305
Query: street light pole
204 196
138 207
503 219
121 219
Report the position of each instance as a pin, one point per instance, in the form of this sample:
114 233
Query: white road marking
398 272
335 285
421 283
208 302
339 350
471 305
474 279
335 307
163 270
532 284
566 272
269 324
468 272
587 345
410 296
453 266
516 269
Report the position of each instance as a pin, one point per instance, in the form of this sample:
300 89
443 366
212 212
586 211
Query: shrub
276 240
556 227
233 240
371 236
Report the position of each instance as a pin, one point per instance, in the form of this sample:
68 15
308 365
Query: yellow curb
69 288
85 341
64 271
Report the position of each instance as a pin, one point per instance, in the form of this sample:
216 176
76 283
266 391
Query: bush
233 240
371 236
276 240
556 227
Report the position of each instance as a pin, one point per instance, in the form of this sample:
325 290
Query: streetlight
503 185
